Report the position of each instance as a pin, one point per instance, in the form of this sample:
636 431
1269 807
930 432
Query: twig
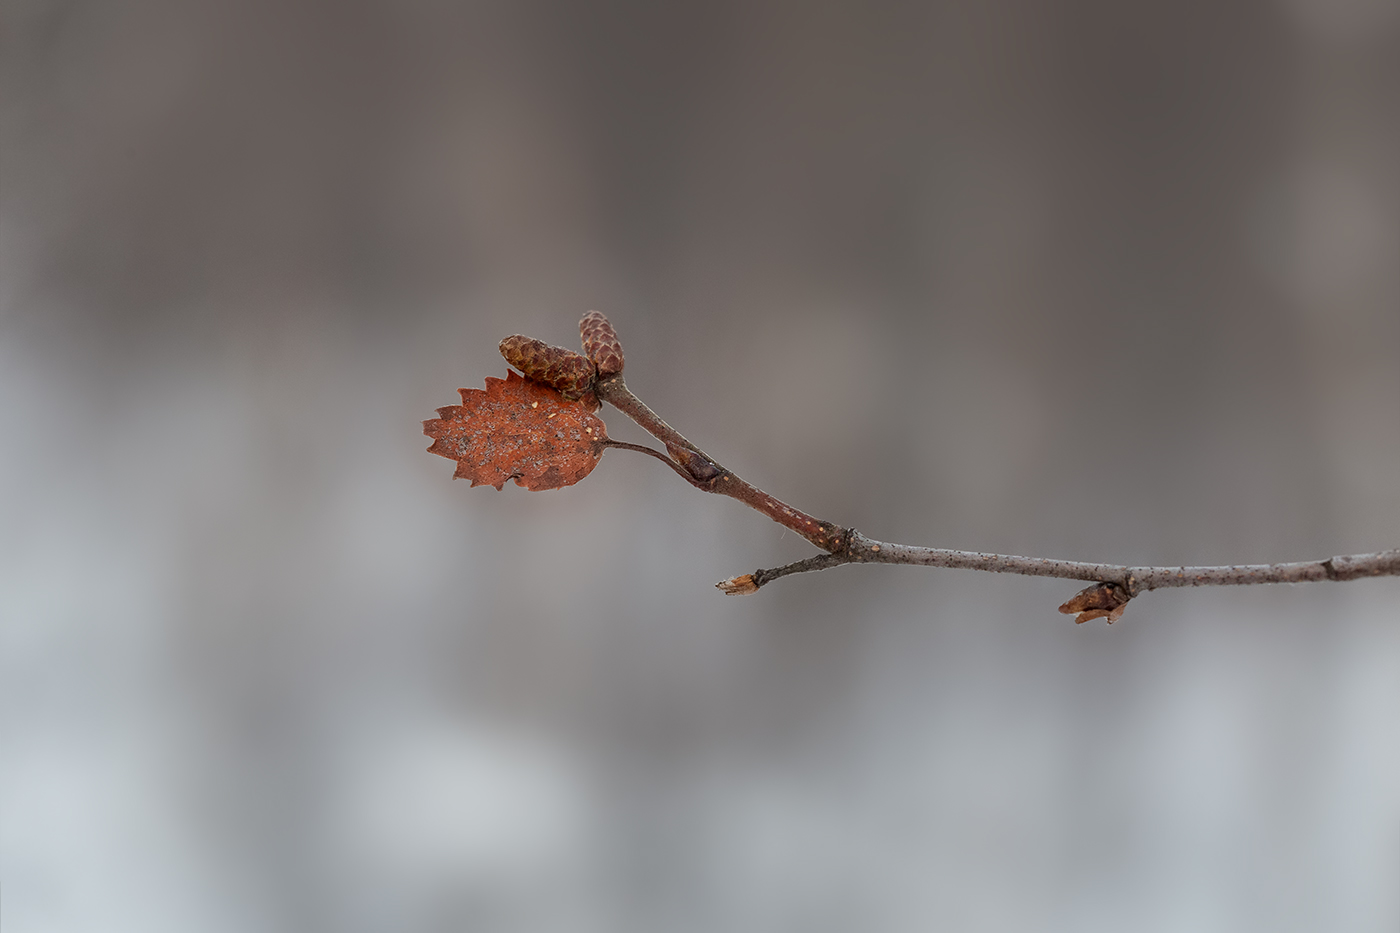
704 473
1115 584
1133 580
599 374
623 445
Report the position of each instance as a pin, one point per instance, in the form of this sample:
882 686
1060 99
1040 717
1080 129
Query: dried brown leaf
518 429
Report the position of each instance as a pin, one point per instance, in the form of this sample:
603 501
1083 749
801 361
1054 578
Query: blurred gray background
1085 279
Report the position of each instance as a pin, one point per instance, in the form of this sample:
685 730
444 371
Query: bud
569 372
738 586
1101 601
600 343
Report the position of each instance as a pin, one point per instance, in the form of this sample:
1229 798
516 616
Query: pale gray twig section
1134 580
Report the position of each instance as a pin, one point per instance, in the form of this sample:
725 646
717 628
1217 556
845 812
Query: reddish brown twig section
704 473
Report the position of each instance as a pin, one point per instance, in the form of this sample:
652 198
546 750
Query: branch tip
738 586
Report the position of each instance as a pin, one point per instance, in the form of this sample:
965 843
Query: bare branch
1114 584
750 582
597 376
1132 580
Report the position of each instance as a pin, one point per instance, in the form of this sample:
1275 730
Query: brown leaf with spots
600 343
1101 601
518 429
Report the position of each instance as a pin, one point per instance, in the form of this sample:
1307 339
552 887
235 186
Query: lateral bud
701 468
1101 601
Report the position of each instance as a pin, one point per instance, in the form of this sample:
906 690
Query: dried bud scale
1101 601
738 586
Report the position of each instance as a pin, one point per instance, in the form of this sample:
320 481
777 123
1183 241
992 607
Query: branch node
703 471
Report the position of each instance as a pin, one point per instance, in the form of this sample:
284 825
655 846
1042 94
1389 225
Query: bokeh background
1081 279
